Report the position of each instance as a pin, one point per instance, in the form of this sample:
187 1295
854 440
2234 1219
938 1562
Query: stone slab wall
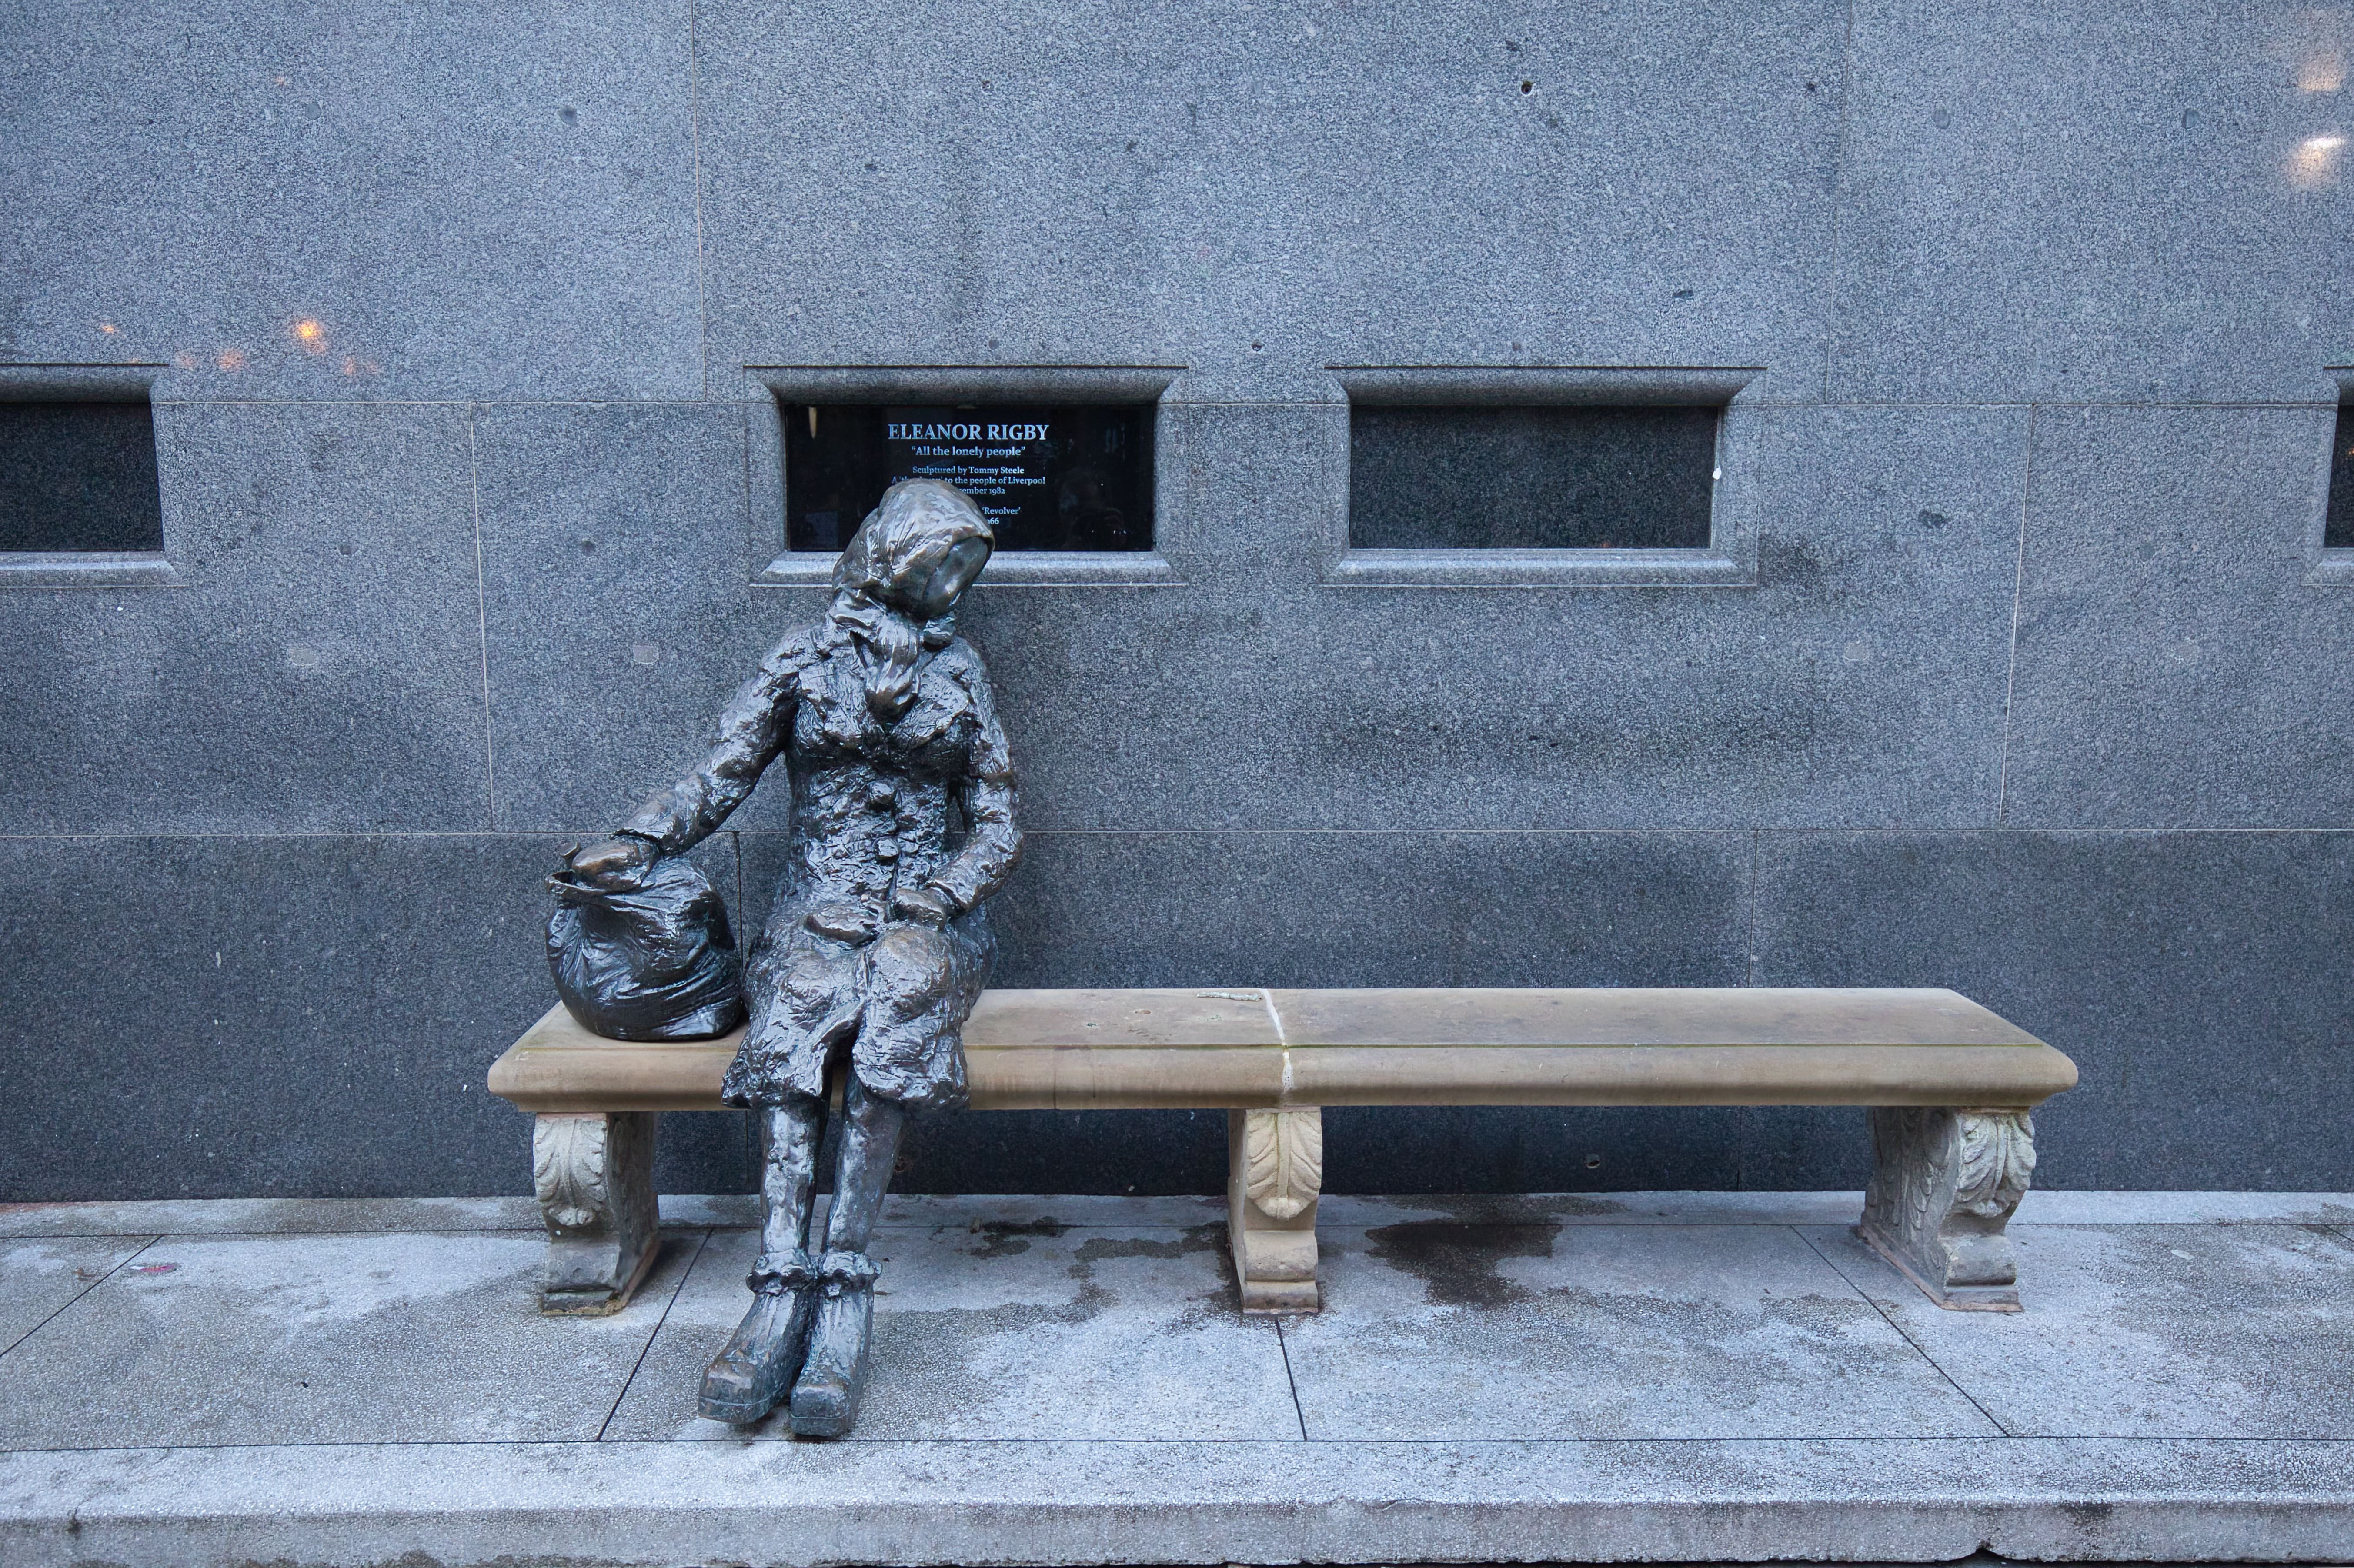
2039 688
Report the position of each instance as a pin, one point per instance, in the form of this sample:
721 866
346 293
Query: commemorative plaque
1067 477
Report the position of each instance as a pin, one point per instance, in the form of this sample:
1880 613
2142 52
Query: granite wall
2026 672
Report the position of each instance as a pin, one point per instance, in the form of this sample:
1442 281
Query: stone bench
1949 1086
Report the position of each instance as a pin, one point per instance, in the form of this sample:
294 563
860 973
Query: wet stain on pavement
1519 1208
1457 1263
1195 1238
1004 1238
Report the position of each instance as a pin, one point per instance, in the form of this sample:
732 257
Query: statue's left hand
924 905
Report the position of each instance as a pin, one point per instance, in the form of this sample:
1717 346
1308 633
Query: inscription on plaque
1064 478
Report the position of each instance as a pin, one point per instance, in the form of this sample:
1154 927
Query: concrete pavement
1680 1377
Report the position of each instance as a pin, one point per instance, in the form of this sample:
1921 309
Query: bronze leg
789 1173
757 1365
825 1400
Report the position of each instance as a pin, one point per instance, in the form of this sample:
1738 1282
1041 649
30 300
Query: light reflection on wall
2314 45
309 334
2314 162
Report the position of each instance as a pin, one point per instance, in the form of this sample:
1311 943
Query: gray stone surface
143 1218
2146 1331
1352 1212
1506 1149
1390 908
1014 1328
330 1037
1454 478
772 1503
1891 225
1436 1330
2193 977
39 1277
611 648
2175 669
318 1061
2091 201
465 202
266 1216
1872 653
400 1338
1061 1362
1270 194
322 671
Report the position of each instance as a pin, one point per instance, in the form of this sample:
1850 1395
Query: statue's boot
751 1372
825 1400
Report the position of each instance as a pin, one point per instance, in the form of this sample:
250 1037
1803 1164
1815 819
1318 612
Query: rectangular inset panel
1076 477
1523 478
79 476
320 671
2175 668
2338 534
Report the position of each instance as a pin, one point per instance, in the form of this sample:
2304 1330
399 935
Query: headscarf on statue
923 533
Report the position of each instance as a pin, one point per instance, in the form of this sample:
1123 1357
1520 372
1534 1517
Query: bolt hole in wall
1072 477
1582 477
2338 534
78 475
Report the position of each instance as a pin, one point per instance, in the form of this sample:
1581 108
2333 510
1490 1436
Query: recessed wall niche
1070 477
2337 533
78 475
1569 477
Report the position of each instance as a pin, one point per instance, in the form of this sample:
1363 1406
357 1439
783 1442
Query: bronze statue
902 825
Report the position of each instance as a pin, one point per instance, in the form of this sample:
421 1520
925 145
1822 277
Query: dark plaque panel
1077 478
1626 478
2338 532
79 476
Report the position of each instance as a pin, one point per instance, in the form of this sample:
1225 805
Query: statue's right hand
616 859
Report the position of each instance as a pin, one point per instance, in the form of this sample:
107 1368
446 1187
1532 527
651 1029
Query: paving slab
2147 1330
1097 1210
197 1216
1606 1377
1445 1331
40 1278
267 1216
1012 1330
323 1339
2067 1208
456 1506
1597 1209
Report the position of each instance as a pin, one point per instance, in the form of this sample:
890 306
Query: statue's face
958 566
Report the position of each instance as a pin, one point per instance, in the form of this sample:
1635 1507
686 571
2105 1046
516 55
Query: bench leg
594 1175
1943 1186
1275 1172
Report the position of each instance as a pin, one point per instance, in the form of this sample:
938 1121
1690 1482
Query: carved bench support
595 1178
1275 1172
1943 1186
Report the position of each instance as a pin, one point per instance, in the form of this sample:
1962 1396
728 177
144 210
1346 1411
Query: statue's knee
915 953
